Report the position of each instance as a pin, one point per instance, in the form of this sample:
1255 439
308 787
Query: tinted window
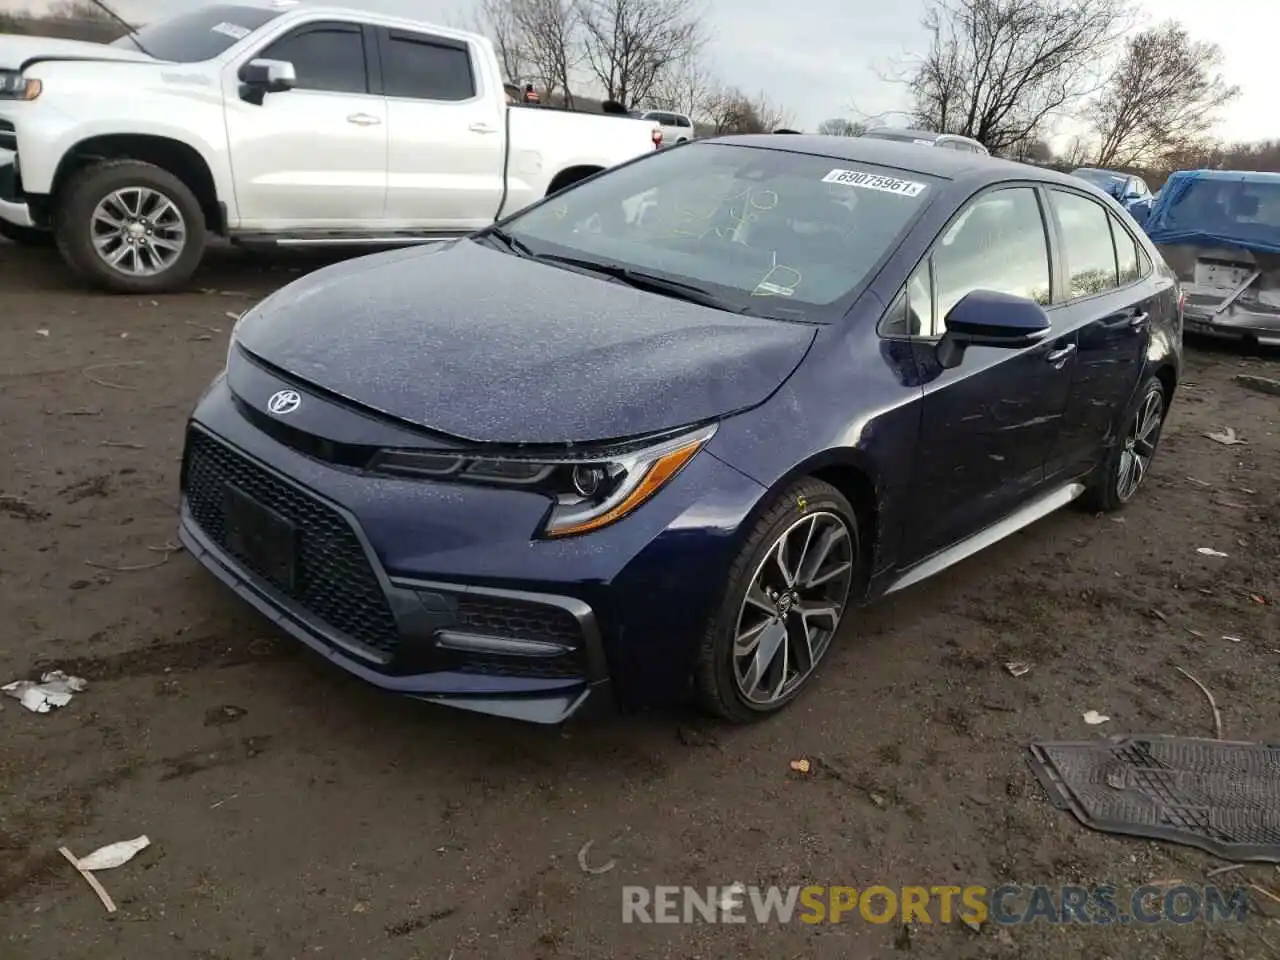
424 68
1127 255
328 57
683 122
200 35
777 233
1087 245
997 243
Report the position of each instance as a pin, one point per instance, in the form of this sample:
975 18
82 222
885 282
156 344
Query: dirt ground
295 812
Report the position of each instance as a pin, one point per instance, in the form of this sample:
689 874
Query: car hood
17 50
486 346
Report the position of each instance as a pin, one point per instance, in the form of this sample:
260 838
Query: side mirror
260 77
987 318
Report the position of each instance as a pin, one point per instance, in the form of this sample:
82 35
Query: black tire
716 686
26 236
1106 493
73 225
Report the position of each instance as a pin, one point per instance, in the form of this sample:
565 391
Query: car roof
973 168
906 132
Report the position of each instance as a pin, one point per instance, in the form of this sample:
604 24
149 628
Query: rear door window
420 67
1088 248
1129 257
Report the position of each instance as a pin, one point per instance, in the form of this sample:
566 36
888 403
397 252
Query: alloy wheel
138 231
792 608
1139 446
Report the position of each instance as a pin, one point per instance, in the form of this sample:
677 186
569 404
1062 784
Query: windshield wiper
654 284
132 31
514 244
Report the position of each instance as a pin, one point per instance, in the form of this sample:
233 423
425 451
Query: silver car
927 138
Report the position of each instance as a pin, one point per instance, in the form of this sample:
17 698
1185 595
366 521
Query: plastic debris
1233 639
582 860
1227 437
801 766
731 898
1017 668
42 333
1093 718
1209 552
115 854
55 689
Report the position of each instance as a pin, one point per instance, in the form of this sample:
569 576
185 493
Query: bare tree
1077 152
497 19
1163 96
998 70
548 36
841 127
632 45
689 89
732 111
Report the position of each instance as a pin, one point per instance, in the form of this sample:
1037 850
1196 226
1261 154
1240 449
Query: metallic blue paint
419 349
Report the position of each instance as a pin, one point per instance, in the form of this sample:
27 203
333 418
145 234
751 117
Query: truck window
420 67
326 56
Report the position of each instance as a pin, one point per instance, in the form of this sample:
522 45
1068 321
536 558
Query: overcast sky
826 58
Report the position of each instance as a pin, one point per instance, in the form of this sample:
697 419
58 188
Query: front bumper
436 591
13 208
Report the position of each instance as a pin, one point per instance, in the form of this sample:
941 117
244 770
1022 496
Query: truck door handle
1059 357
482 128
363 120
1138 319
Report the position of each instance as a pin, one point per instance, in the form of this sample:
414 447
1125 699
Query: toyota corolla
663 432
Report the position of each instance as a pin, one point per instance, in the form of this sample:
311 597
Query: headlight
587 492
14 86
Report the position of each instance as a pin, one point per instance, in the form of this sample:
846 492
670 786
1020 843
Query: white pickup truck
273 123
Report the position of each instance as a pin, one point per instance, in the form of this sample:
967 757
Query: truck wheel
130 227
25 236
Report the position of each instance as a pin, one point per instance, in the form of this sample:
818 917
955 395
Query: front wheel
786 595
1127 464
130 227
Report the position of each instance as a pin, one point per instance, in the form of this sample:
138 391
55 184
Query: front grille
8 136
335 582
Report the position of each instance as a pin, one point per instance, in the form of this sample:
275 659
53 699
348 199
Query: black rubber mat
1221 797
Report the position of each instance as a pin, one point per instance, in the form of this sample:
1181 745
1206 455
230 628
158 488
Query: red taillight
657 137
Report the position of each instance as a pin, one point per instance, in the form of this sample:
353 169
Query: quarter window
996 243
1087 245
326 57
425 68
1128 258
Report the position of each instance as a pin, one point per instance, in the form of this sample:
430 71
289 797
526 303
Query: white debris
582 860
731 898
1093 718
42 333
55 689
115 854
1209 552
1227 437
1017 668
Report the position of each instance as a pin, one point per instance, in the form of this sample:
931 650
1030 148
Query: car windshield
199 35
769 232
1102 179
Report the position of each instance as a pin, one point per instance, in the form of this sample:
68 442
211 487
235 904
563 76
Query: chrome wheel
138 231
1140 446
792 608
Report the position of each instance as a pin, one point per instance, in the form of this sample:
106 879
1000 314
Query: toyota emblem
284 401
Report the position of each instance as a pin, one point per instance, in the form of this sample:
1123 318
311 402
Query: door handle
482 128
363 120
1059 357
1138 319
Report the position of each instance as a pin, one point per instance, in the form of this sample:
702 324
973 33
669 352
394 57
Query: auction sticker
874 181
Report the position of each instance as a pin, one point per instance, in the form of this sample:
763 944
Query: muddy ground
295 812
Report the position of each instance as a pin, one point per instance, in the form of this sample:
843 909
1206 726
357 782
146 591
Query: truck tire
25 236
130 227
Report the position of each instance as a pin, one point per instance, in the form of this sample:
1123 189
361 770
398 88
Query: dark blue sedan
661 431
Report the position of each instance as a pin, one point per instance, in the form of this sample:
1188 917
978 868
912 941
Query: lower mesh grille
335 581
